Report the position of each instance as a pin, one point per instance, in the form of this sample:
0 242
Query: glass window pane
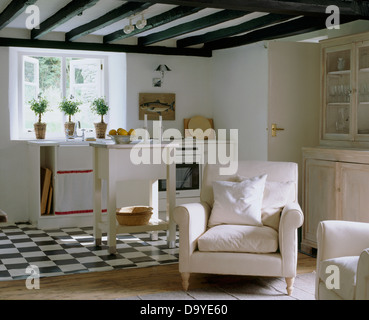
85 86
29 72
44 75
47 81
51 89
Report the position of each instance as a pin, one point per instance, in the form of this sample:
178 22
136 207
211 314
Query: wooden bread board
186 122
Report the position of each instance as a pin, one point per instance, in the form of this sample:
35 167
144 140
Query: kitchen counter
57 142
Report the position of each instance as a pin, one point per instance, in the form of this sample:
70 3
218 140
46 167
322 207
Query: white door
293 100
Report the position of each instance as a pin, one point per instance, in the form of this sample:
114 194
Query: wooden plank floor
120 283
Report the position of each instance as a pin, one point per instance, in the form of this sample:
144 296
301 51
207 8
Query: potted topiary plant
100 107
39 107
70 108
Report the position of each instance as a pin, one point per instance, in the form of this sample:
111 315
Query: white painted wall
13 161
189 80
117 68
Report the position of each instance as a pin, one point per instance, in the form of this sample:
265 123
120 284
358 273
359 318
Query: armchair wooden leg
290 282
185 280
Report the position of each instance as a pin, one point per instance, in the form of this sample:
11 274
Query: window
56 76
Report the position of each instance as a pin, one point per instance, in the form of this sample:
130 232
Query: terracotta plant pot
100 129
69 128
40 130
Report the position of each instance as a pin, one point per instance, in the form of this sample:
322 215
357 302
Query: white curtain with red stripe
74 192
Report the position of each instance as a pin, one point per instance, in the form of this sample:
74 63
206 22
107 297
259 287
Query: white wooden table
112 163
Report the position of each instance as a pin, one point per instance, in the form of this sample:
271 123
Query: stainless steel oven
188 176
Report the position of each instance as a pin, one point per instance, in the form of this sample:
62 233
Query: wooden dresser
335 187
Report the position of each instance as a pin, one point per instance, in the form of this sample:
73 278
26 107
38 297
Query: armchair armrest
291 219
192 220
337 238
362 276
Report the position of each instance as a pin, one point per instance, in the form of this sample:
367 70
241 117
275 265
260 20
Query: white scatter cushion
237 238
276 196
238 202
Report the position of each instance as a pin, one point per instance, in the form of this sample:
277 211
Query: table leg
154 203
154 235
111 212
97 203
171 203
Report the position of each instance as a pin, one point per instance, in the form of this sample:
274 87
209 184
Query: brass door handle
274 129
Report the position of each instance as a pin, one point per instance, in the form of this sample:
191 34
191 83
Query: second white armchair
342 261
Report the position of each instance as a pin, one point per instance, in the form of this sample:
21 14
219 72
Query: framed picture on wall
157 104
156 82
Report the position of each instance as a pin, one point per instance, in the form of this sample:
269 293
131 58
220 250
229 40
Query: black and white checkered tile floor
72 250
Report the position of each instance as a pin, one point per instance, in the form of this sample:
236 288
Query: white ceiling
16 29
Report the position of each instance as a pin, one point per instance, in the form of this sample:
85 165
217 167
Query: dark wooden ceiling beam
63 45
112 16
297 26
13 10
355 8
154 22
71 10
204 22
281 30
232 31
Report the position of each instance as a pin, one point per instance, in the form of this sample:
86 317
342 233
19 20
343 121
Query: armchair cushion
347 267
239 238
238 202
276 196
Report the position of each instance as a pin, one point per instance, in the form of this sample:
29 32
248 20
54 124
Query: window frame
24 134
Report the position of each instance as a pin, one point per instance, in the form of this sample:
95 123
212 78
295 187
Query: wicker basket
134 216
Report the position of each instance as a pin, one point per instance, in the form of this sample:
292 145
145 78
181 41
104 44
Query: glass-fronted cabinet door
337 97
362 92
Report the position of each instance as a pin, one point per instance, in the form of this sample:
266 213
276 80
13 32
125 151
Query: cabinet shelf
339 104
154 225
334 73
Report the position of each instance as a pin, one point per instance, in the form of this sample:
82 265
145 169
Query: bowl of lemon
122 136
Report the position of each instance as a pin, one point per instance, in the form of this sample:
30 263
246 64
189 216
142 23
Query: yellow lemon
122 132
131 132
113 132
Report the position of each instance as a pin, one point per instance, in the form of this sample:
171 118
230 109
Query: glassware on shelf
341 64
365 61
332 93
339 93
342 123
364 58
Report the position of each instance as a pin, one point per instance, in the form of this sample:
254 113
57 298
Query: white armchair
268 249
345 246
